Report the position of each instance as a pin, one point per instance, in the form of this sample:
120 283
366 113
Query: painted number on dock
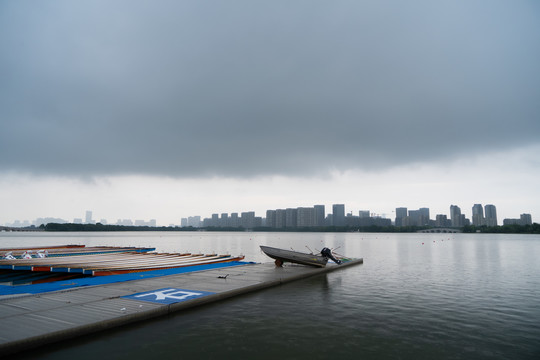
168 295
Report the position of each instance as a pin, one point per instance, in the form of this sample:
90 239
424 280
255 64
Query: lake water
417 296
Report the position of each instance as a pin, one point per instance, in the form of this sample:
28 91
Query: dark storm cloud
247 87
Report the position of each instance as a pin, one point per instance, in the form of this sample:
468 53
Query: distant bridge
440 230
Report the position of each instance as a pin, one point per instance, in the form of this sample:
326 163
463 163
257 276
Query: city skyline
314 216
194 107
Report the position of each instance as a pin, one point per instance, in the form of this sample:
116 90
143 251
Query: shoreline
71 227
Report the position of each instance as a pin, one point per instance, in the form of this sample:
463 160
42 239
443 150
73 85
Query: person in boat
327 253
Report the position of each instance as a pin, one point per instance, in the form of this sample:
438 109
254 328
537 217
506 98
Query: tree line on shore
504 229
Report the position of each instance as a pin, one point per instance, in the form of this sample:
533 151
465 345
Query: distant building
375 221
224 220
362 214
424 216
151 223
319 215
295 217
271 218
401 212
455 216
442 221
88 218
418 217
490 215
524 219
305 217
280 218
17 223
247 220
380 221
338 212
40 221
477 215
234 220
214 220
194 221
329 220
125 222
291 217
413 219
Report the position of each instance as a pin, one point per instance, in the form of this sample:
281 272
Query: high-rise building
401 212
329 220
413 219
305 217
291 217
362 214
247 219
424 216
319 215
455 216
441 220
418 217
88 219
271 218
490 215
338 212
224 220
477 215
234 220
215 220
526 219
194 221
280 218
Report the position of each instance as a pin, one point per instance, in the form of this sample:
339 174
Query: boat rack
108 261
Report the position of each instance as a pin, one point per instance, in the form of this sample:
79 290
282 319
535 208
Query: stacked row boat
112 263
66 250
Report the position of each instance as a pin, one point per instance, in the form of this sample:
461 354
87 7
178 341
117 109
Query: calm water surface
417 296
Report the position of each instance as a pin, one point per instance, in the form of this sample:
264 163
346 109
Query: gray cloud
246 88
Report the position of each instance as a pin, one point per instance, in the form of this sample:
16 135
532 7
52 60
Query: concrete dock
31 321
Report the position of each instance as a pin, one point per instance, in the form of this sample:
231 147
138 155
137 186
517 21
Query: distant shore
504 229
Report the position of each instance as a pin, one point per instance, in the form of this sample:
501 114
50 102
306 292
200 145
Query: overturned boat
282 255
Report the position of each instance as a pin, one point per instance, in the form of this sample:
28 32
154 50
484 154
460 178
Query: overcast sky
167 109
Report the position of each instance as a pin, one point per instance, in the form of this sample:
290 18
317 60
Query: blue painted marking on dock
168 295
22 267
